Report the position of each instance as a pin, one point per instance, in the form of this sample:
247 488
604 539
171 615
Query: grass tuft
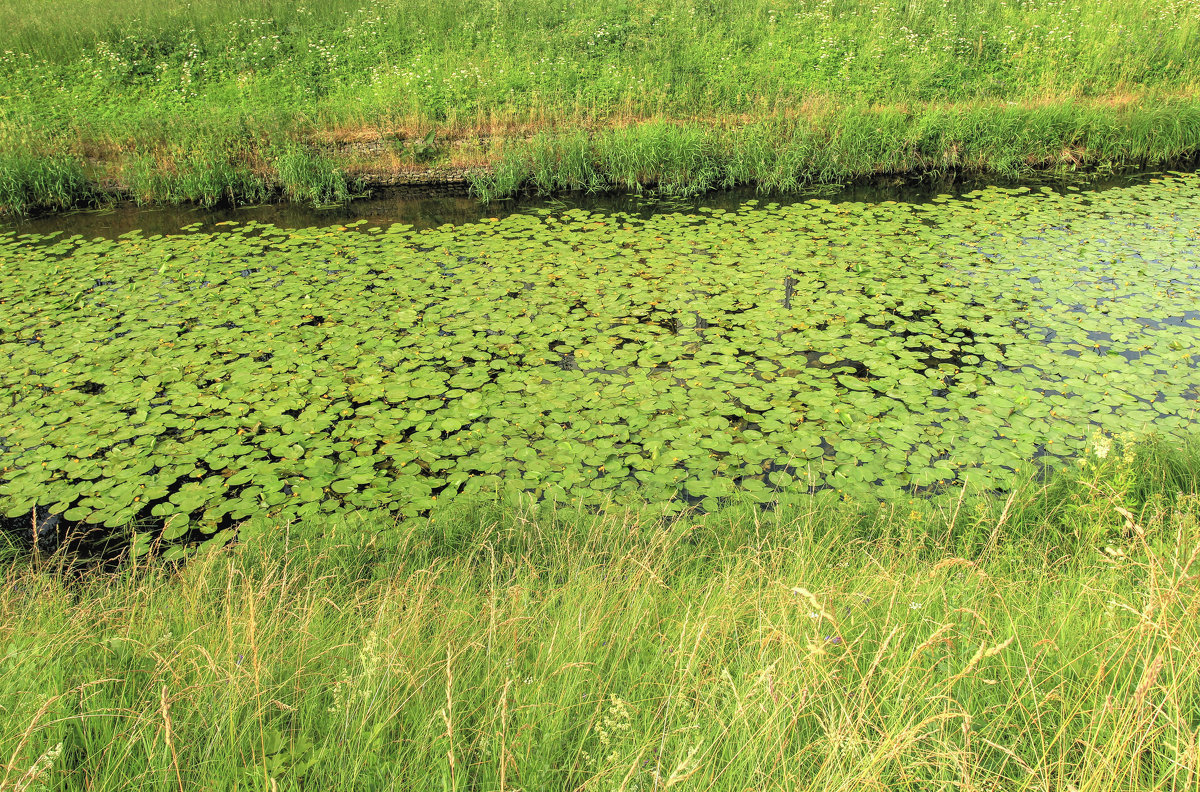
29 183
310 178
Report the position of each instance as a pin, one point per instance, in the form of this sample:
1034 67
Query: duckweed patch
199 379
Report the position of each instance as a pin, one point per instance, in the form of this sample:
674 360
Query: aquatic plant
198 379
782 155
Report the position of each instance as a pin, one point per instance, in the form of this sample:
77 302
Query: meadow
1043 640
207 102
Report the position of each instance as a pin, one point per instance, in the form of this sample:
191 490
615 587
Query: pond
682 355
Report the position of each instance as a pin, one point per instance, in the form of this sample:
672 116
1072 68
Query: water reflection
430 211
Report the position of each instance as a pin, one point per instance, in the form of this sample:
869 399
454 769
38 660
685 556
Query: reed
29 182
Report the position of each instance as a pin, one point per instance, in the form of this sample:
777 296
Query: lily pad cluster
198 379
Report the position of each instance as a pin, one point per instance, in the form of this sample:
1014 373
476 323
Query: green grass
113 84
1046 641
311 178
29 183
785 155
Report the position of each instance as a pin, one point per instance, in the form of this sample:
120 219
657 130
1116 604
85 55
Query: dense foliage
201 378
207 101
1034 640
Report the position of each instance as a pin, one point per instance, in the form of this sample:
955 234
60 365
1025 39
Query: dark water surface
422 212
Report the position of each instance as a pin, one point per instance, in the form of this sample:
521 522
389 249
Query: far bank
682 158
202 102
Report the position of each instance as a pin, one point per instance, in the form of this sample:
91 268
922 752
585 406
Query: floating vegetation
199 379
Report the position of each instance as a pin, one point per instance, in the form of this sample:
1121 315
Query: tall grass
1046 641
113 81
305 176
210 172
537 57
788 154
29 182
203 175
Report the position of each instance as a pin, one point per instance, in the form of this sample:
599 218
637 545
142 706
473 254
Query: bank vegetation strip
1046 639
200 101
